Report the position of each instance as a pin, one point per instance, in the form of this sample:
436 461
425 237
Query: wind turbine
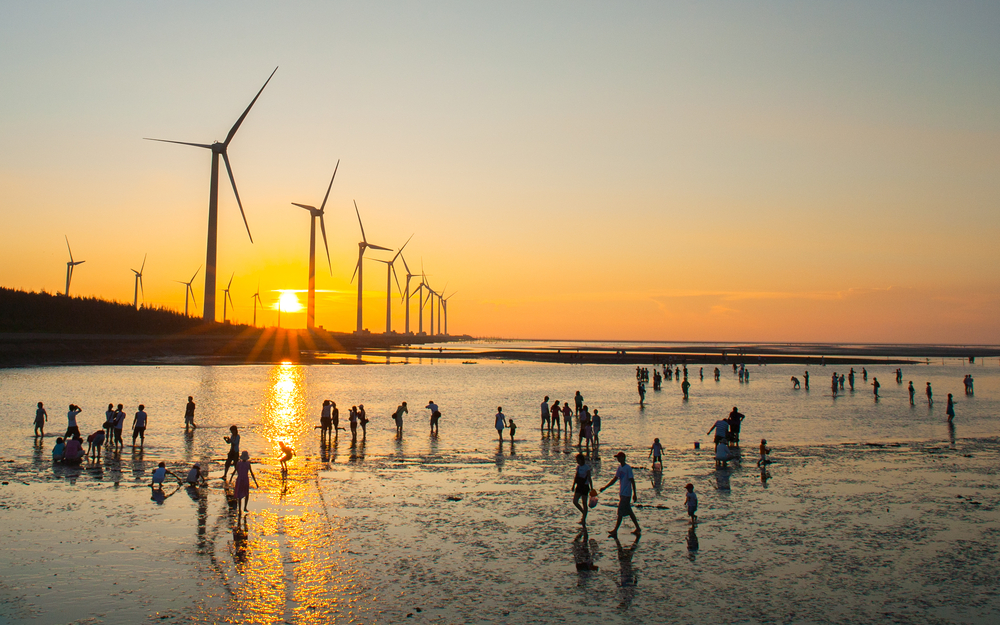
138 283
227 296
256 300
440 297
444 301
390 272
189 290
69 266
406 297
219 149
430 300
314 213
359 268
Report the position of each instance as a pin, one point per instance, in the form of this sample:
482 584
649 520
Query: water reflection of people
628 579
499 458
951 432
241 534
722 479
584 553
765 475
692 543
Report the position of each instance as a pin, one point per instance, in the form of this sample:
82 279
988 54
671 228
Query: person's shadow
628 579
692 543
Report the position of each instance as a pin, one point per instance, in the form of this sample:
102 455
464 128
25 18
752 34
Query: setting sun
289 302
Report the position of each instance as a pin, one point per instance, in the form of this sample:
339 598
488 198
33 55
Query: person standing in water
234 450
286 454
583 483
691 503
325 419
243 474
805 375
71 426
139 427
911 390
875 387
41 416
119 426
363 420
578 398
109 424
513 430
189 414
398 417
334 417
595 425
626 494
656 452
501 423
567 418
556 421
353 420
685 385
642 393
950 409
545 414
435 415
930 395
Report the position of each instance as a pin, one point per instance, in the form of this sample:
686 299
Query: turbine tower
219 149
359 268
441 305
314 213
189 290
390 272
430 300
138 284
69 266
256 300
445 303
227 296
406 297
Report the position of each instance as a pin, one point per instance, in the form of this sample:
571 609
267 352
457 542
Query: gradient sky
676 171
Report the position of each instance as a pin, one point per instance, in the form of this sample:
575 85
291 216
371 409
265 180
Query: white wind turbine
430 300
219 149
189 290
228 297
138 284
359 268
69 266
441 305
390 273
314 213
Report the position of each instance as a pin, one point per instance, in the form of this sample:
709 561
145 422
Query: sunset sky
823 172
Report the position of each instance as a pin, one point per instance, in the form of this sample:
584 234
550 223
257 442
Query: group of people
329 422
727 435
69 447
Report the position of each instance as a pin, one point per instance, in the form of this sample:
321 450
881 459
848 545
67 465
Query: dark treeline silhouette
22 311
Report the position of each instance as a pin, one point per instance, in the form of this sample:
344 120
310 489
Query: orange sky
710 172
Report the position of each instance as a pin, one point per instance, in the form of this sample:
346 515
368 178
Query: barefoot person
691 502
626 494
583 483
501 423
243 474
950 409
71 426
189 414
325 419
286 455
234 450
398 417
435 415
40 418
139 426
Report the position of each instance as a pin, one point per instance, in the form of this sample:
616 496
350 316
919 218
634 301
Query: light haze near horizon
765 172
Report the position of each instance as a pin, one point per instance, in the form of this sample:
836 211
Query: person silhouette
501 423
950 409
41 416
189 413
911 390
875 387
930 394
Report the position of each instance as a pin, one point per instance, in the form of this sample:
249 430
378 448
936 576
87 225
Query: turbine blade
230 281
393 270
305 206
322 206
361 256
239 121
401 250
197 145
195 274
195 301
69 248
143 263
236 191
379 247
363 238
141 290
403 258
322 227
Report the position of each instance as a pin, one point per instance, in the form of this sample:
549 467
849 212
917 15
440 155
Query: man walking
626 494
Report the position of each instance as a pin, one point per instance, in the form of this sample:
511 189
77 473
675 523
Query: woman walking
243 474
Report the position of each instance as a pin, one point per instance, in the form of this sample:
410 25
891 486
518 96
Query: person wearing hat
243 474
195 476
626 494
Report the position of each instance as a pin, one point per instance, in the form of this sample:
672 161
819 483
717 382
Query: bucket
657 466
697 445
593 498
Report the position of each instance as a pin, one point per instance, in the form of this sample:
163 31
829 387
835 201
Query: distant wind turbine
228 297
69 265
219 149
430 300
406 296
138 284
441 305
314 213
189 290
390 272
359 268
444 302
256 300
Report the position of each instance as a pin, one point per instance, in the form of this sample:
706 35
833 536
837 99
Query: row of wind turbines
427 296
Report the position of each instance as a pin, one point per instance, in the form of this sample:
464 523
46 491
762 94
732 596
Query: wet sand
836 533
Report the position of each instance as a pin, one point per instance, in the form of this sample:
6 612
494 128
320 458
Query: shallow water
460 529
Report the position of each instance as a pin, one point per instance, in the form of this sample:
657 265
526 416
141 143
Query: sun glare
289 302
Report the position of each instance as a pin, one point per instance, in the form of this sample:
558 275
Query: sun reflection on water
285 407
